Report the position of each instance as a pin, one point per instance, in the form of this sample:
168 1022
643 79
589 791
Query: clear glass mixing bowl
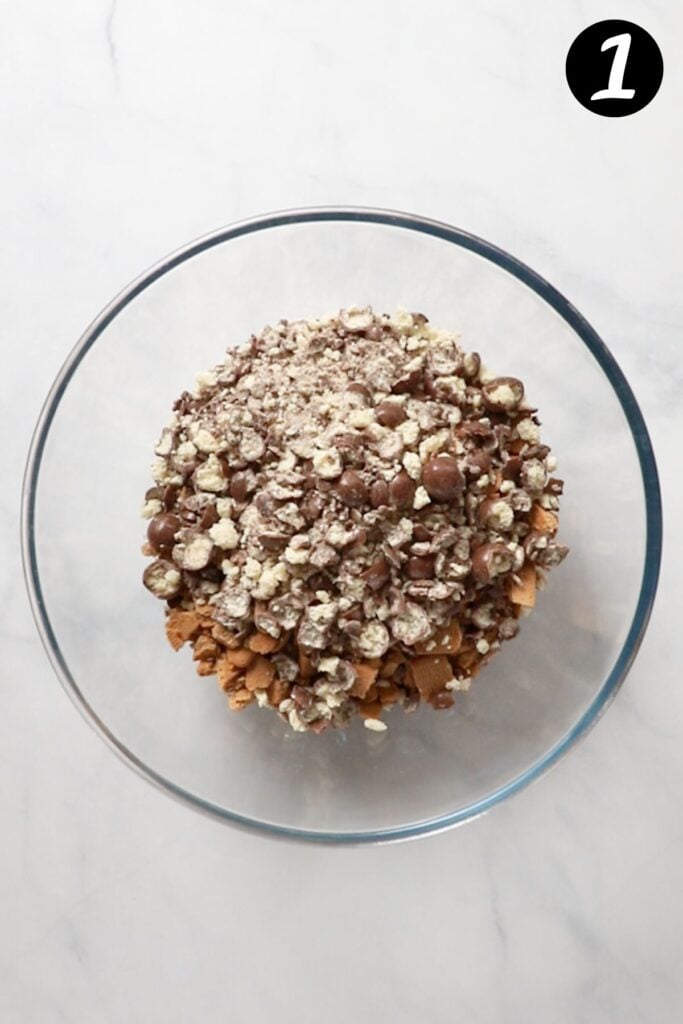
88 468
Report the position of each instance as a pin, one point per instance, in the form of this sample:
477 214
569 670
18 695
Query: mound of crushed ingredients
348 514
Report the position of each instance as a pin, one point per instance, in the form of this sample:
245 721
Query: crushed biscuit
521 588
543 520
262 643
429 674
180 627
366 675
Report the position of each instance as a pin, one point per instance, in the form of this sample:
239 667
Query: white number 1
615 84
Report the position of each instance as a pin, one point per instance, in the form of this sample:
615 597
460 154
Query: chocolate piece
193 550
408 384
379 493
420 567
442 478
273 540
474 432
478 463
511 468
362 391
161 532
471 365
534 543
378 574
351 489
238 487
356 320
402 490
412 625
208 518
313 506
489 561
495 514
162 579
552 555
390 414
502 394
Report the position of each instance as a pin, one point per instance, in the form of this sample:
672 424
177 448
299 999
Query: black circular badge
614 68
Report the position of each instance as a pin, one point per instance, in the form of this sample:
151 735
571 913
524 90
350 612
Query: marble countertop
129 128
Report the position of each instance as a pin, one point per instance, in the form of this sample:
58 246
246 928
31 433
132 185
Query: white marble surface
130 127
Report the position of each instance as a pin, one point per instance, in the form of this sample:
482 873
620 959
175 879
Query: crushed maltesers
349 514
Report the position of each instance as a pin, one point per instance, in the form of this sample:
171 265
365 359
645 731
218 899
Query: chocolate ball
163 579
442 478
162 530
390 414
489 561
379 494
351 489
402 490
502 394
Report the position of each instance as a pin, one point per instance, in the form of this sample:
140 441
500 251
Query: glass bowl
89 467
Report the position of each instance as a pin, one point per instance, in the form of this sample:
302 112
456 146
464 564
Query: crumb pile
349 513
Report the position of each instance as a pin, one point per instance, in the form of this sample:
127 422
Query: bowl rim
528 277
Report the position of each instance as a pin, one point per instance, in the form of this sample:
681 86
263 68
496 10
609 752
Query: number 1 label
599 59
615 84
